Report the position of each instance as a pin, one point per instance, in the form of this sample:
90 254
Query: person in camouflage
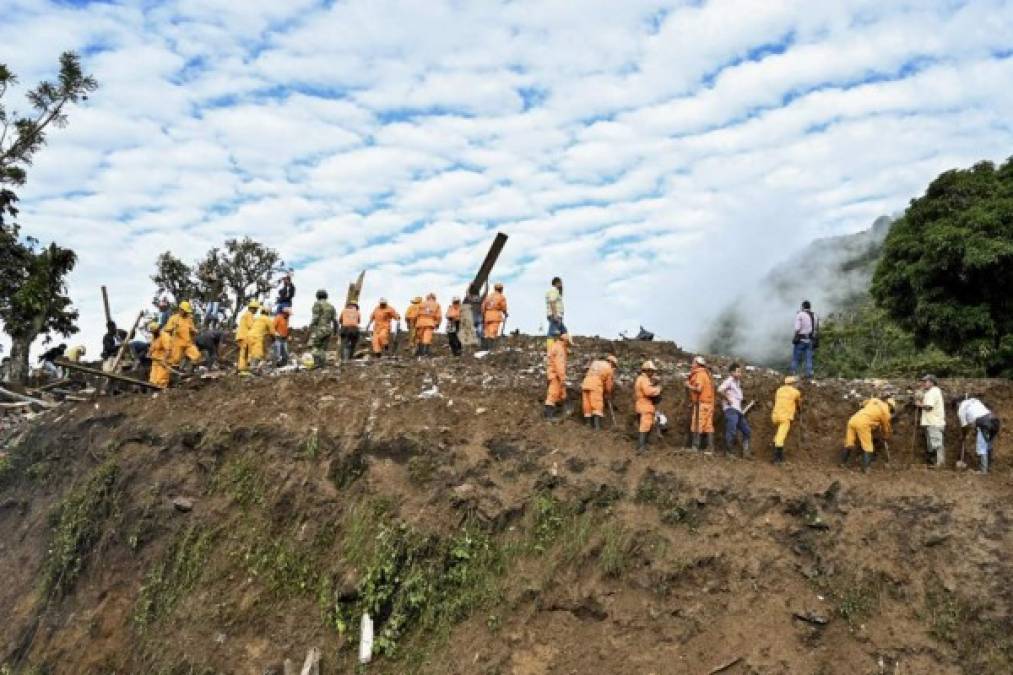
321 327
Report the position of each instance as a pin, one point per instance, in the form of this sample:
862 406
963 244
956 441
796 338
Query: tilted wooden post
473 296
355 289
105 305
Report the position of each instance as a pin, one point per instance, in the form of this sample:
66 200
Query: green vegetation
947 267
618 547
856 597
985 645
175 575
662 490
77 525
242 481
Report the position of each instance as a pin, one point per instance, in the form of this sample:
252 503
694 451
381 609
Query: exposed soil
224 527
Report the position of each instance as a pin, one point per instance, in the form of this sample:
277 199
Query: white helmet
307 361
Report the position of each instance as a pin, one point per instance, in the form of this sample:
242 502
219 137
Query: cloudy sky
659 156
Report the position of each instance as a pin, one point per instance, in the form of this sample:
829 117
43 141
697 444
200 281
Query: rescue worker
243 336
876 414
598 386
180 327
701 388
973 412
731 404
646 393
261 329
349 330
49 356
787 404
110 343
556 375
163 312
494 313
454 326
554 311
286 293
933 420
430 317
208 342
805 340
321 328
158 354
281 331
411 315
75 353
380 321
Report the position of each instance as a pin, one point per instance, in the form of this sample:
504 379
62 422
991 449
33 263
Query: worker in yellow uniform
494 313
74 354
411 315
159 352
597 387
243 336
875 415
181 328
257 336
787 404
429 320
556 375
646 394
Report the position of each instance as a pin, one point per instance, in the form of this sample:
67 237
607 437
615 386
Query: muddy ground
230 524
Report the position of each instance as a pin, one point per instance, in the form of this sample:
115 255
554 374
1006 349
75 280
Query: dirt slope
483 539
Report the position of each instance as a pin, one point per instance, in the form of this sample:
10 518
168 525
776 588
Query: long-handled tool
612 412
961 464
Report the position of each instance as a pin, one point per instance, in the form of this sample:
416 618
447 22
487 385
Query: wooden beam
26 399
123 347
105 304
355 289
108 376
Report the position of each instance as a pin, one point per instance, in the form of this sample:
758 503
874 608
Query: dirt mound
229 525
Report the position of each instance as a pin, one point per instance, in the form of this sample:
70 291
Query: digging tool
123 348
749 406
886 450
612 412
914 433
694 417
397 341
961 464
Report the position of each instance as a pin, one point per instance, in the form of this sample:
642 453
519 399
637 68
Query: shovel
961 464
612 412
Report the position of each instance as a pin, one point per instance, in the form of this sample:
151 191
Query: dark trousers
455 342
735 422
349 339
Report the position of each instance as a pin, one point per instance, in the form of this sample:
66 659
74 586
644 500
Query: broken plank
725 666
26 399
108 376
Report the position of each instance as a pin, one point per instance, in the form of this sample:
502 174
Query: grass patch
77 525
175 575
985 645
242 481
422 468
311 447
856 597
662 490
617 551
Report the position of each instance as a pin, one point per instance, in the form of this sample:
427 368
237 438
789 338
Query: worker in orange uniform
646 392
411 316
701 395
257 335
281 331
380 321
454 326
787 404
597 386
556 375
430 318
494 313
348 329
243 336
876 415
181 328
159 352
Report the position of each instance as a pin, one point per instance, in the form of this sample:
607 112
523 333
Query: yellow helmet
892 403
253 304
791 379
611 358
498 286
416 300
153 326
649 367
307 361
185 307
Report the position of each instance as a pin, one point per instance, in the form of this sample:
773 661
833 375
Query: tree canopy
947 267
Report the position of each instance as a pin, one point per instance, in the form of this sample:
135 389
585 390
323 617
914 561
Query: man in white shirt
804 341
731 403
554 308
973 411
933 414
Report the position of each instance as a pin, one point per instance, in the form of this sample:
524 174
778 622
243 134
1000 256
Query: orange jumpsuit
703 400
350 318
493 312
875 414
597 384
180 327
786 401
242 339
159 352
430 316
411 315
556 372
645 391
381 318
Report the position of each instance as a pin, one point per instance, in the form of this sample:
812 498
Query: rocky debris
182 504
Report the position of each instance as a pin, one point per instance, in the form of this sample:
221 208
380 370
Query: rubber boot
845 456
694 442
596 422
706 442
642 445
550 412
866 461
747 451
983 462
778 455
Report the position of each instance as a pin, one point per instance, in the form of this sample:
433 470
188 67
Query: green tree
174 278
39 304
947 267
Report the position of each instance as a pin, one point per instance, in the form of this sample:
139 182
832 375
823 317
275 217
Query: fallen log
26 399
19 404
51 385
108 376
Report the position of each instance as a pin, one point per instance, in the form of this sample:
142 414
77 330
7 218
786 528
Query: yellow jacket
875 414
261 328
180 327
786 401
245 324
160 347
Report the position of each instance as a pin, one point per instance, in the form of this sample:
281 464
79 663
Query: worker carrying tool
933 420
494 313
454 326
262 328
701 395
380 320
973 412
243 336
349 330
411 316
598 386
181 328
430 318
787 404
876 415
158 353
646 395
731 404
322 324
556 375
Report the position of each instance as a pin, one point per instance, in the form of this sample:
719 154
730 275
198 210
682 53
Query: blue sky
660 156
